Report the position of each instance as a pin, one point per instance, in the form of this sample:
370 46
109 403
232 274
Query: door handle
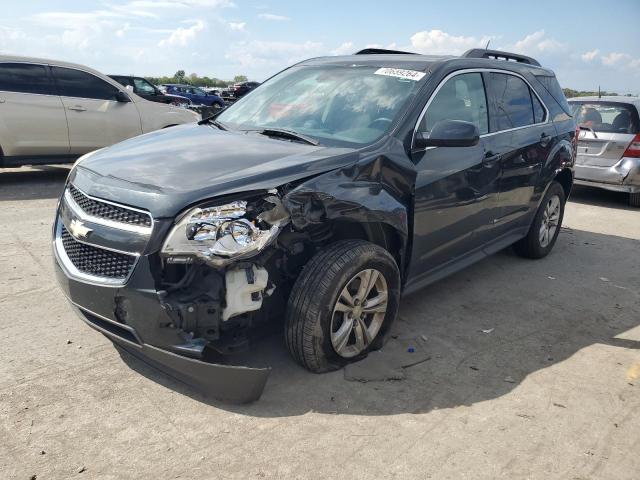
491 158
544 139
2 100
78 108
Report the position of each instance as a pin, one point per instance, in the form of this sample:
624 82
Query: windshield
609 117
343 105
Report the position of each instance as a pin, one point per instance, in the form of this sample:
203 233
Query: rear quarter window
551 85
25 78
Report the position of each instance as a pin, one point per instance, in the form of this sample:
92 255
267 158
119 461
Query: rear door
94 116
612 126
32 118
522 135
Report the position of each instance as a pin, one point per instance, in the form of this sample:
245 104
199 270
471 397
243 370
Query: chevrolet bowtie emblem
78 229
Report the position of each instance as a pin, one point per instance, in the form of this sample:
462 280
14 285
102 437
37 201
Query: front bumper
624 176
133 317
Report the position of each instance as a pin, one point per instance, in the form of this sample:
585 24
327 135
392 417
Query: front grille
108 211
97 261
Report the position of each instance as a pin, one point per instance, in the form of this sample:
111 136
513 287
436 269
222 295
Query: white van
54 112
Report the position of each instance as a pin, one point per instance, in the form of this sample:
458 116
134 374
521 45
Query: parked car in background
145 89
195 94
316 201
239 90
53 112
609 144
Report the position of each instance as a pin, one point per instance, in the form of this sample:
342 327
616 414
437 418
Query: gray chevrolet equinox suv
311 205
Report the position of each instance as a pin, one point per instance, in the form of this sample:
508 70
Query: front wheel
545 228
341 305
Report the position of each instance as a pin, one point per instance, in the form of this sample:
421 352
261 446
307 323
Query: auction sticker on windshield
401 73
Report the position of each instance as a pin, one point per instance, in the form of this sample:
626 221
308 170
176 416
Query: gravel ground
533 371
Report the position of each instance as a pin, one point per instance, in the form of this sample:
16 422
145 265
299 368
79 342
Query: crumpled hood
168 170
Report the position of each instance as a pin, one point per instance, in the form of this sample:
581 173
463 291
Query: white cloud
274 55
437 42
181 37
237 26
538 42
345 49
590 56
615 58
271 16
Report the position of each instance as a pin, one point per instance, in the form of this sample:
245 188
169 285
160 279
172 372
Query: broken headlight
232 230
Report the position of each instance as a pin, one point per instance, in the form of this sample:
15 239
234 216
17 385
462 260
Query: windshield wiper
214 122
280 132
587 129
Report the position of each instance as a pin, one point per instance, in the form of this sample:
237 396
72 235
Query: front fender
377 190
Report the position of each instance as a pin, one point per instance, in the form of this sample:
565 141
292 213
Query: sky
587 43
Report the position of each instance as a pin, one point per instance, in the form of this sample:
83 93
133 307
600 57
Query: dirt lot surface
531 370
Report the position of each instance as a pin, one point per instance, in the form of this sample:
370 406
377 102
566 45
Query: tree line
194 79
570 93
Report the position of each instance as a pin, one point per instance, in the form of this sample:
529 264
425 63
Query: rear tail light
633 150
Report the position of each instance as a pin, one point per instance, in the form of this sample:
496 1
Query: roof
47 61
423 63
609 98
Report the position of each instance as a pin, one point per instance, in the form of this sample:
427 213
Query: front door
95 117
456 187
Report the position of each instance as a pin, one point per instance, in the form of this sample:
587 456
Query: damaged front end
188 295
184 307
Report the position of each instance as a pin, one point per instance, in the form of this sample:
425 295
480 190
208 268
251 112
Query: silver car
609 144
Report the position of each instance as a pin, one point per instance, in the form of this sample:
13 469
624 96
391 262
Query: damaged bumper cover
624 176
133 318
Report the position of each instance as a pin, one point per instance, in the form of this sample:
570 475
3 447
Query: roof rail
381 51
499 55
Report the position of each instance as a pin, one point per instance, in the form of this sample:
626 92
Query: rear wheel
341 305
634 199
546 225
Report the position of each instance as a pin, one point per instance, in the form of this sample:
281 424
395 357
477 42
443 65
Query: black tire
530 246
315 293
634 199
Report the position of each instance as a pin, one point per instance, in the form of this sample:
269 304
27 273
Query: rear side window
513 106
25 78
538 109
460 98
609 117
124 81
75 83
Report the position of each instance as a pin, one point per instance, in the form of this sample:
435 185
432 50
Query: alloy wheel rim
550 221
359 313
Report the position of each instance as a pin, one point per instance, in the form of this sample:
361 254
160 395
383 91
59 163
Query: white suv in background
54 112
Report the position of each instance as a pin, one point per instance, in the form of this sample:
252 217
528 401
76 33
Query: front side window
142 86
513 104
460 98
25 78
351 104
75 83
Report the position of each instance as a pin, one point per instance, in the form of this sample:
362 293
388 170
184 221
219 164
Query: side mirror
449 133
122 97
